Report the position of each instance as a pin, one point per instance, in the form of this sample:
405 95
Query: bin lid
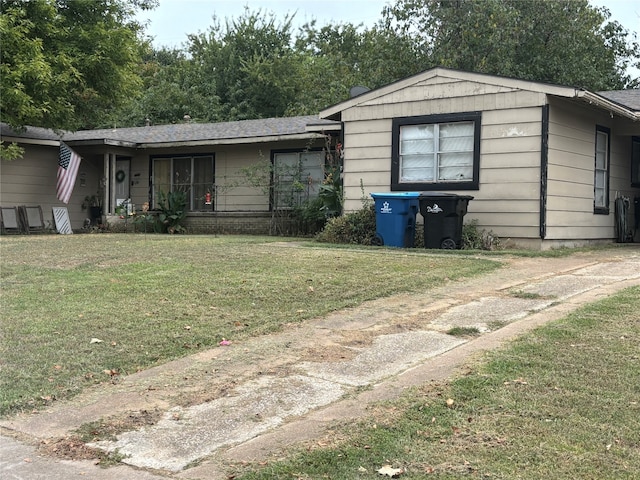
444 195
396 195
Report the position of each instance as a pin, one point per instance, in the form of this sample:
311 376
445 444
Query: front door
123 181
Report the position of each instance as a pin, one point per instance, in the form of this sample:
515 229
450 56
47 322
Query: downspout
544 170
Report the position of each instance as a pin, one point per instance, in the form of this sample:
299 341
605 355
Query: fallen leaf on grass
391 472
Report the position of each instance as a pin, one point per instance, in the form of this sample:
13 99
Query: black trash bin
443 216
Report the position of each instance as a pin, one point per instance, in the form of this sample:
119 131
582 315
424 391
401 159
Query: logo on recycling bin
385 208
434 209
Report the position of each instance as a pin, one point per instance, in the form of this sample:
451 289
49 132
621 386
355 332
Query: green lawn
560 403
146 299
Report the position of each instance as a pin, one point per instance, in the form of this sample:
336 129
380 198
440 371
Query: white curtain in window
417 153
446 148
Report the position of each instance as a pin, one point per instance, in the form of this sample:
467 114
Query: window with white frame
192 174
297 177
436 152
601 173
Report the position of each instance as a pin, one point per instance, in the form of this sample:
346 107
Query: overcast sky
170 23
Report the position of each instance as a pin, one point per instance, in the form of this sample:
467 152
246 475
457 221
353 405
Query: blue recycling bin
396 218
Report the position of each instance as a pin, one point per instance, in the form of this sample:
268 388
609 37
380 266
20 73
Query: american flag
68 164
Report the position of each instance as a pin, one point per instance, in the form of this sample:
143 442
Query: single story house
543 162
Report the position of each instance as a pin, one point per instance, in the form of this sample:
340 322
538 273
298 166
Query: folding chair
10 220
32 218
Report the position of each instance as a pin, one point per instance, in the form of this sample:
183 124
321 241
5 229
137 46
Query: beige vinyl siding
140 178
31 181
570 192
508 199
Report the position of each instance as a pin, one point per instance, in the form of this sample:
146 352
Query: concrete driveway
250 401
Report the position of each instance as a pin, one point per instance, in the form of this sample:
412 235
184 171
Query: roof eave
31 141
230 141
101 141
602 102
334 112
323 127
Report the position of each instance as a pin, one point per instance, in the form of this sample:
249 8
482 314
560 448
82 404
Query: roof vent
357 90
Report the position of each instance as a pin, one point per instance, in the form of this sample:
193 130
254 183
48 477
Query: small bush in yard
173 211
357 227
474 238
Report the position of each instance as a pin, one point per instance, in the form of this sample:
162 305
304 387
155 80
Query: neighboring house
543 162
133 165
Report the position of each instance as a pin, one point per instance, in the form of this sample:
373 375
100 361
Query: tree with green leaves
567 42
257 67
65 63
173 86
250 63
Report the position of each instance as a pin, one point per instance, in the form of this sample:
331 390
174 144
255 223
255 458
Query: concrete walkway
250 402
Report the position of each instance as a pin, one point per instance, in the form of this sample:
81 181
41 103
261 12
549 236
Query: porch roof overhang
191 143
100 142
31 141
29 135
231 141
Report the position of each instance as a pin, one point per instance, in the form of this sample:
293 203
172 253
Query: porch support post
105 184
112 182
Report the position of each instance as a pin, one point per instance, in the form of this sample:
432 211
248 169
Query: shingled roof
32 133
243 131
629 98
